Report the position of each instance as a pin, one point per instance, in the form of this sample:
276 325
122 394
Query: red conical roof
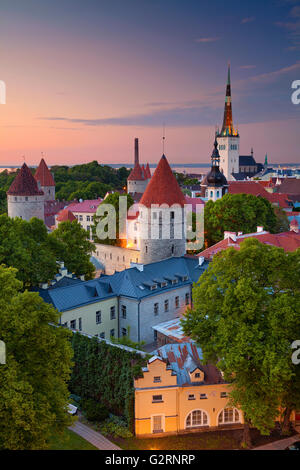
163 187
43 174
24 184
136 174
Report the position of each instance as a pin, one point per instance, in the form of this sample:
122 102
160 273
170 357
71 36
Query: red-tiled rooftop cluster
255 188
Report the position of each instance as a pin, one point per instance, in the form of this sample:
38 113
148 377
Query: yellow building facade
170 402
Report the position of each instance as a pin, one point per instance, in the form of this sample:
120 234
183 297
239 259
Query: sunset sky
85 77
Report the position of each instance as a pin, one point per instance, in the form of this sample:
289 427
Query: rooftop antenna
163 139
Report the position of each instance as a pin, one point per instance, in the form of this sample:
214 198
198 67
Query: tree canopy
33 391
237 213
28 247
73 248
245 318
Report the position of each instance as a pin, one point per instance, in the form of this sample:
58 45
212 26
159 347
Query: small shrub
94 411
115 426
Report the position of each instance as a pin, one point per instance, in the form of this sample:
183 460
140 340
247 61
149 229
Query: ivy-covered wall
105 373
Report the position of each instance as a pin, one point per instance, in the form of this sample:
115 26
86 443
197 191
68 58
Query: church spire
227 128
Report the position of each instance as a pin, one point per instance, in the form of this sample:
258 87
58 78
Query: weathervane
163 139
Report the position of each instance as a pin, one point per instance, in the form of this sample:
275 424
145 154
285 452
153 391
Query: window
88 218
112 313
26 198
80 324
157 398
112 332
124 332
203 396
98 317
157 425
211 194
80 218
187 298
73 324
172 215
218 193
65 324
156 379
155 335
177 301
191 396
123 309
197 375
102 335
154 215
156 309
110 255
146 249
166 305
224 395
196 418
229 416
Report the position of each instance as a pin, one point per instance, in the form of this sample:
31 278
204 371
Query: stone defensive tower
161 217
44 177
138 179
25 199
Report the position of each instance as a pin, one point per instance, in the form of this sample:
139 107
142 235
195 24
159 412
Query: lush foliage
245 317
74 248
28 247
115 426
112 219
105 374
33 392
237 213
87 181
282 221
93 410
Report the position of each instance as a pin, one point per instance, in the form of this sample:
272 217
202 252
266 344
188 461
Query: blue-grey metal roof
131 282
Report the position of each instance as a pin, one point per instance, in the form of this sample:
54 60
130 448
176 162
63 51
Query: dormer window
156 379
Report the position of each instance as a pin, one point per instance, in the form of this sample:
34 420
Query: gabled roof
24 184
247 160
88 206
183 359
43 175
256 189
290 186
289 241
65 215
163 187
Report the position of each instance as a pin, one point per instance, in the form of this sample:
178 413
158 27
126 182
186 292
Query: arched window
218 194
196 418
229 416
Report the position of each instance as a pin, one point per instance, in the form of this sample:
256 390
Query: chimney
259 229
201 260
138 266
136 151
230 236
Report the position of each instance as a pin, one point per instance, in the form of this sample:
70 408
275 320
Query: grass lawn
69 441
202 441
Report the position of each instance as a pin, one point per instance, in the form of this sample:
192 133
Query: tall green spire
266 160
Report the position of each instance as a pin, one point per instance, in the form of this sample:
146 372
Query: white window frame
228 422
163 422
196 425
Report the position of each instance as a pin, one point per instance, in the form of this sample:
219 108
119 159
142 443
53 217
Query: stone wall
116 258
26 207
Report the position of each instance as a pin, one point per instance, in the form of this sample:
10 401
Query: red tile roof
253 187
65 215
24 184
43 174
137 174
163 187
289 241
89 206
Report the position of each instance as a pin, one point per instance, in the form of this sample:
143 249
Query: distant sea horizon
179 167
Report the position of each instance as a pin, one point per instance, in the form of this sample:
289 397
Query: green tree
245 318
33 382
282 221
74 248
237 213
